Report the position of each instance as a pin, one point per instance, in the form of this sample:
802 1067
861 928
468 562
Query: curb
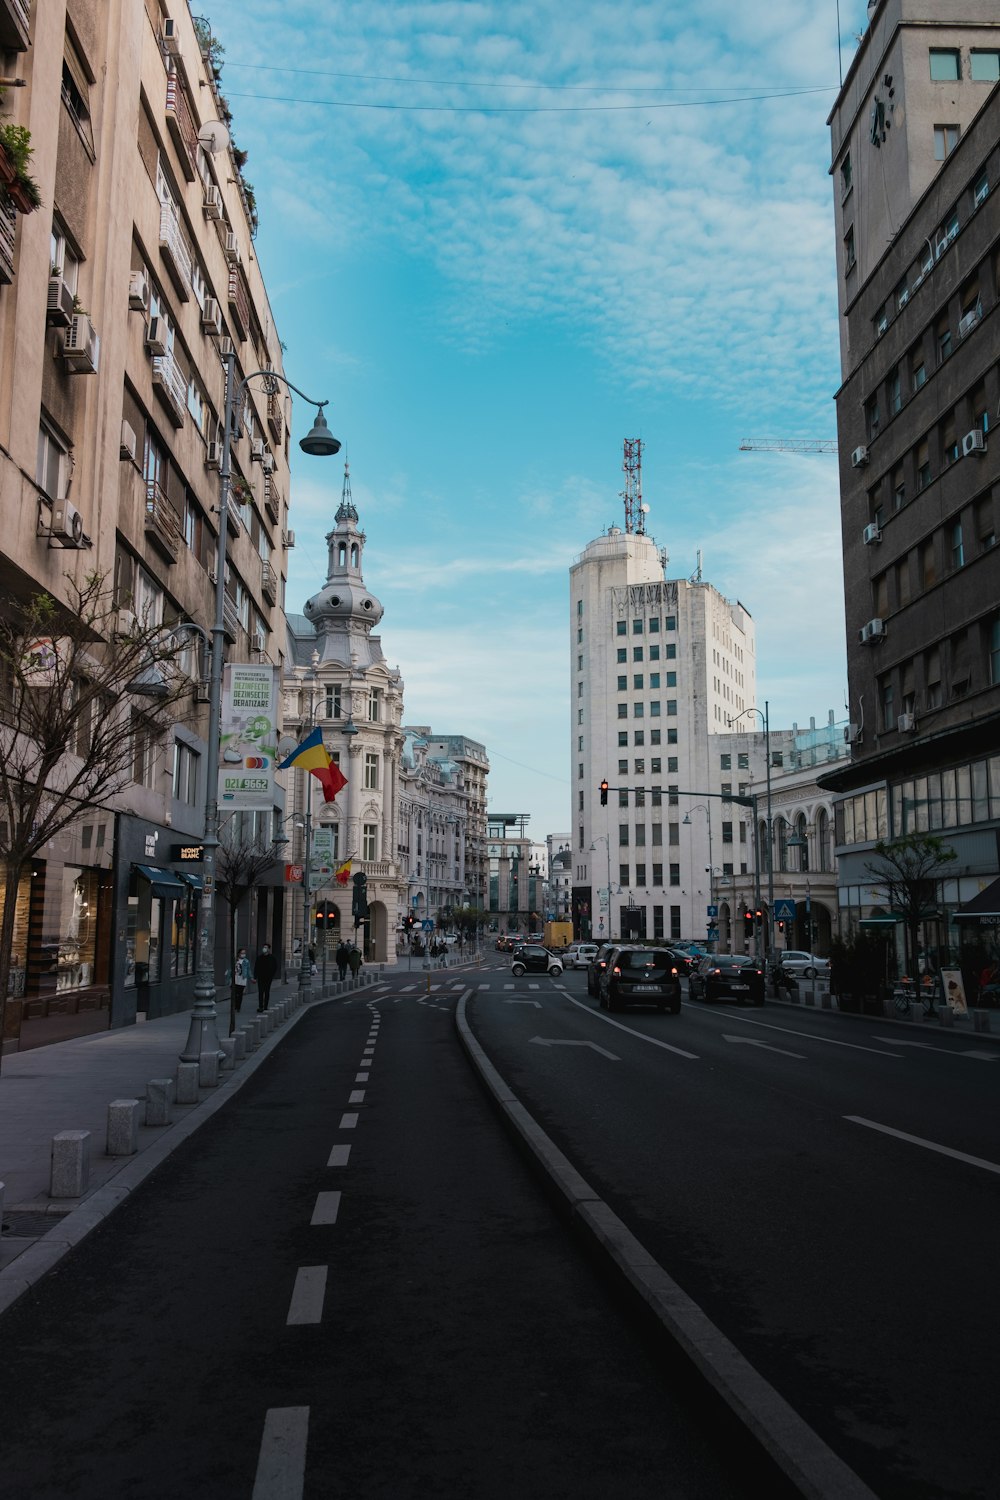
798 1451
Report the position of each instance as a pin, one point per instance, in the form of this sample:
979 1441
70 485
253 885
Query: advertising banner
247 741
954 990
321 864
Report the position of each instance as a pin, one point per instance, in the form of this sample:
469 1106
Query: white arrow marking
750 1041
536 1003
928 1047
552 1041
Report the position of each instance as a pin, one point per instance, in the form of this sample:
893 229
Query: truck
558 934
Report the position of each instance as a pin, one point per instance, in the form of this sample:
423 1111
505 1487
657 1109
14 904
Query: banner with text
248 738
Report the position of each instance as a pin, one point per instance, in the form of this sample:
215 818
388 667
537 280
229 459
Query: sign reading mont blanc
247 741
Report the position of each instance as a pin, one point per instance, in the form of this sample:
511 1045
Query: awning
984 907
879 921
194 881
164 882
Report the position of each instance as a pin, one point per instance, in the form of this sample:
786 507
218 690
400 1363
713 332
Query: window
637 653
654 679
640 875
654 652
671 762
623 796
622 683
981 190
945 140
942 335
623 710
371 770
898 486
743 760
846 176
725 762
332 703
622 835
52 464
143 752
640 835
850 255
945 64
985 66
638 710
654 624
995 650
185 774
932 676
918 370
637 681
928 565
63 258
957 549
902 295
657 874
623 875
579 742
622 737
671 736
671 707
640 769
670 622
620 628
923 464
888 707
369 842
579 690
623 653
637 627
983 517
675 874
895 390
374 705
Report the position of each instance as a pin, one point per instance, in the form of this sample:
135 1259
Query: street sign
712 935
711 911
784 911
427 925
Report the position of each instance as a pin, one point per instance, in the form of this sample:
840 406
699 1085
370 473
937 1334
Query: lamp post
602 838
320 442
703 807
766 722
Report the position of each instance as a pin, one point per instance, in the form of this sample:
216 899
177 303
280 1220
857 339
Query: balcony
180 123
230 618
239 303
15 16
8 227
163 524
276 415
272 503
174 248
172 386
269 583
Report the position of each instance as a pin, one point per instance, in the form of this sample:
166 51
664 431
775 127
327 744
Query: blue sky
496 273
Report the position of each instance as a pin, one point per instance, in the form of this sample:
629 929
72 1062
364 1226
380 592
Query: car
596 968
796 963
579 956
727 976
532 958
637 975
687 959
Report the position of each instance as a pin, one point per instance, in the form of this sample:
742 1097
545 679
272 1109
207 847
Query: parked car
532 958
579 956
795 963
722 976
596 968
640 976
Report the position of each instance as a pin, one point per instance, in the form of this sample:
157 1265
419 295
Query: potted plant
15 157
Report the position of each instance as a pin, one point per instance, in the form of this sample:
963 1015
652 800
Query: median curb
798 1451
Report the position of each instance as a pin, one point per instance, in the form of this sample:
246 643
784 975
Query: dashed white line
308 1293
327 1208
356 1096
917 1140
281 1463
361 1077
348 1122
339 1156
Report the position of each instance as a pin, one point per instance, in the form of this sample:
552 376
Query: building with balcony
118 294
915 138
442 823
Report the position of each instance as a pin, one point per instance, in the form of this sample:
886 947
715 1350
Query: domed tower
344 612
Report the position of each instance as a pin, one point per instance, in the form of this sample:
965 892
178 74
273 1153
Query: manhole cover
29 1226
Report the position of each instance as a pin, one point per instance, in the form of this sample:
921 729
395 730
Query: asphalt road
348 1282
825 1188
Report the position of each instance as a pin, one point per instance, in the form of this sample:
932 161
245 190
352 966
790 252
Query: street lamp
602 838
319 442
798 841
703 807
766 722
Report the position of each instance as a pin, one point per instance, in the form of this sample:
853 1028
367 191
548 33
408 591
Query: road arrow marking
929 1047
552 1041
536 1003
750 1041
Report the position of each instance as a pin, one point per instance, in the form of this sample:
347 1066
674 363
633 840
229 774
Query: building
915 138
661 670
516 896
117 294
559 875
337 678
453 771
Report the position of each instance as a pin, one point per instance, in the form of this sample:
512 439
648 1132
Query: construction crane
788 445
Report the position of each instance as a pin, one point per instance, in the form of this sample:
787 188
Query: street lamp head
150 683
350 728
319 441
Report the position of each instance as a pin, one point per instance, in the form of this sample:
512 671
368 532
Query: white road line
356 1096
929 1047
652 1040
348 1122
484 986
281 1463
308 1292
327 1208
361 1077
917 1140
508 986
339 1156
807 1036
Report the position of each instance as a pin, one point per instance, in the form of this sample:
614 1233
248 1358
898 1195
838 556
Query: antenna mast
632 493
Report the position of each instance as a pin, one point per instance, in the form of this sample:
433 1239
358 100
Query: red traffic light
604 793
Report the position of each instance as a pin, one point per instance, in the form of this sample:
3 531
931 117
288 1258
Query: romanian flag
331 778
312 755
343 873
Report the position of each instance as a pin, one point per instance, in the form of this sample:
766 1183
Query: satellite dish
214 136
644 508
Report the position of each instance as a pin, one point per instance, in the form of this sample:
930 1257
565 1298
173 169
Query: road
825 1187
348 1282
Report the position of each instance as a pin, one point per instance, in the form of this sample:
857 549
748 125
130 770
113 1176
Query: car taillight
674 973
617 971
715 971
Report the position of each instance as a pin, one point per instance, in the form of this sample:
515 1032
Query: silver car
580 954
795 962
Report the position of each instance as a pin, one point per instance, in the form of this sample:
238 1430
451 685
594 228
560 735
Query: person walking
354 959
241 977
264 971
342 954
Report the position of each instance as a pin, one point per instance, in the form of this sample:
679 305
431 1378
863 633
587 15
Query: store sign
293 874
187 853
247 741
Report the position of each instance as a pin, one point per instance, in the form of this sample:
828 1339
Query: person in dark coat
354 959
342 957
264 971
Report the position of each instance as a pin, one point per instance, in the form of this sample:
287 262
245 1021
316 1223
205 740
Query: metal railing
173 241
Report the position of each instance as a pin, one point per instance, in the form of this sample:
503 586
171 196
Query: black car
531 958
722 976
596 968
641 976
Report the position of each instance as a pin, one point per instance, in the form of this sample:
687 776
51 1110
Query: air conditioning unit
126 622
873 631
974 442
211 316
231 248
257 451
852 733
257 643
212 204
81 345
128 442
289 539
202 691
138 291
859 457
213 455
872 533
59 304
906 723
171 37
967 323
67 523
156 336
225 347
267 463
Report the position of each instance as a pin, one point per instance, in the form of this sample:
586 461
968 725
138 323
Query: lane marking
553 1041
356 1096
806 1036
339 1156
917 1140
327 1208
929 1047
536 1003
308 1293
653 1041
484 986
281 1463
751 1041
348 1122
361 1077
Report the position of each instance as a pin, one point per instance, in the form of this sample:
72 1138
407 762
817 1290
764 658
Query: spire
346 511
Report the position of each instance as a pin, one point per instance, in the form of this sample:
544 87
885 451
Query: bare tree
70 722
241 861
907 875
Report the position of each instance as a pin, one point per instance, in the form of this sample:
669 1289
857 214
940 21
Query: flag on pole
311 755
343 873
331 778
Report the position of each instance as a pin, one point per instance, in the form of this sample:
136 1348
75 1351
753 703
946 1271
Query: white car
579 956
806 964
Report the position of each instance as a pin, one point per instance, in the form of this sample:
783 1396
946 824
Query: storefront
157 901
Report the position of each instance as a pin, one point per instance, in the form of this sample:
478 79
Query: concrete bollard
239 1046
917 1010
70 1164
208 1069
945 1014
826 1000
123 1127
159 1101
186 1089
980 1020
228 1047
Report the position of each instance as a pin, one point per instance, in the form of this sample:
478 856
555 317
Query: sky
500 239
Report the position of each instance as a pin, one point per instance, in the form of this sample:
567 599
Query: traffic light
747 915
759 915
781 926
604 793
408 922
359 896
326 916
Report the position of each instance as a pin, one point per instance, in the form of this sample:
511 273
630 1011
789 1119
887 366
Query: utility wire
530 109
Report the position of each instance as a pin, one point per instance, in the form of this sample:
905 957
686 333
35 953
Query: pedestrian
354 959
264 971
342 955
241 977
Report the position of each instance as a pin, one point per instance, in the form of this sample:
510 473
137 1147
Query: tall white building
660 669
